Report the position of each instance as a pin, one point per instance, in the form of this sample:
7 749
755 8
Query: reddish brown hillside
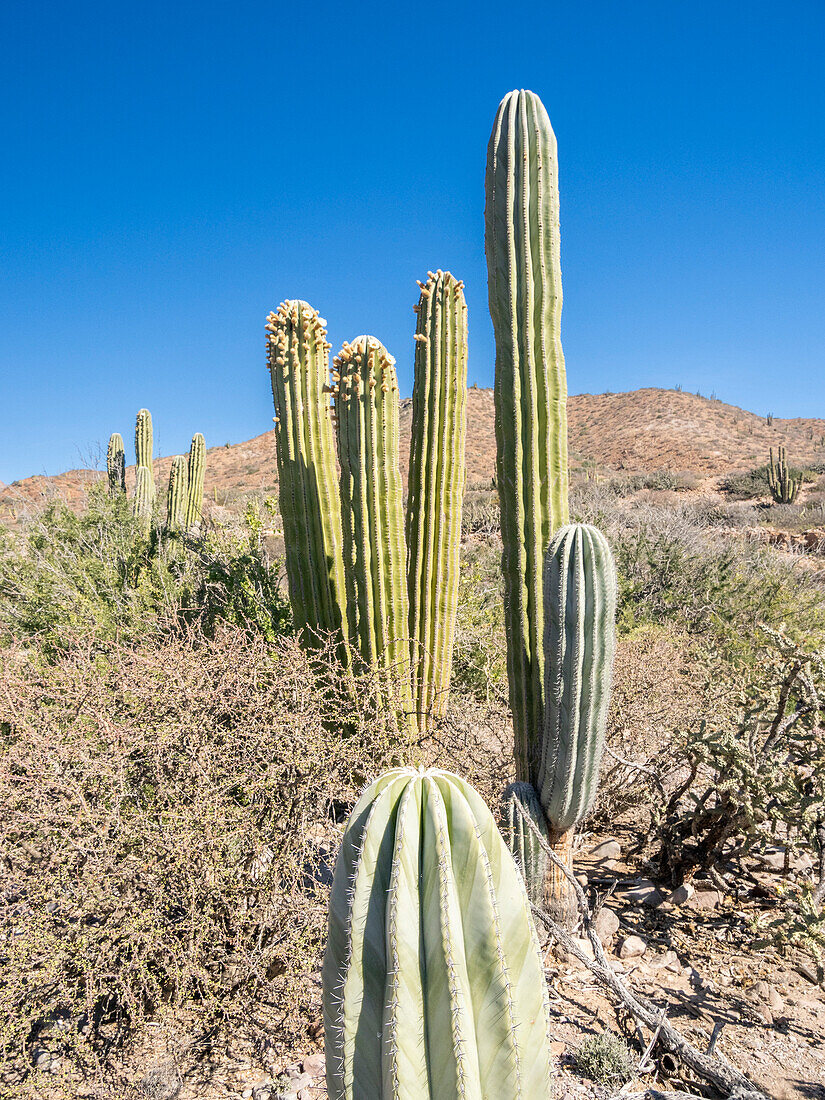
648 429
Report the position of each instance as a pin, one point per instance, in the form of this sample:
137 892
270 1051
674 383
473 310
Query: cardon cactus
579 644
298 362
143 503
196 468
524 841
436 488
433 985
784 488
372 518
176 494
143 440
116 464
524 285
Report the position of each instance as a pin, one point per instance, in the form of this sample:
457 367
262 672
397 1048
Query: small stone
666 961
773 858
314 1064
767 995
608 849
557 1048
606 925
682 893
632 948
645 892
705 899
246 1094
41 1058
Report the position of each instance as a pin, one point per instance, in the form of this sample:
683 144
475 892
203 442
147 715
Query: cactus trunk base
559 897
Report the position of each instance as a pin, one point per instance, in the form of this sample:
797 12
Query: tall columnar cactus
524 283
143 502
298 361
116 464
176 494
579 644
433 986
367 412
196 468
436 488
783 486
143 441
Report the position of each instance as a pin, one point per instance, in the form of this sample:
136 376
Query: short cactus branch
176 495
116 464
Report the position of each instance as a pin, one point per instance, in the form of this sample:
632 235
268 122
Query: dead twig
714 1069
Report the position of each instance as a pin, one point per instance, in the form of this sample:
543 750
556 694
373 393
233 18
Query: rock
41 1059
583 944
773 858
666 961
297 1084
606 925
705 899
557 1048
632 948
765 994
682 894
608 849
314 1064
645 892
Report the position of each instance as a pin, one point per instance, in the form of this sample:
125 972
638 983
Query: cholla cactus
116 464
176 495
784 488
433 983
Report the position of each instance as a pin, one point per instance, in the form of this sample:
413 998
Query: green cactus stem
579 645
531 858
433 986
783 486
196 469
143 441
298 362
371 493
143 503
176 494
524 284
436 488
116 464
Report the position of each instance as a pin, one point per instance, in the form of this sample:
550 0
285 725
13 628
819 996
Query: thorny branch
714 1069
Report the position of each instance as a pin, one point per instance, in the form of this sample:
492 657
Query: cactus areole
433 981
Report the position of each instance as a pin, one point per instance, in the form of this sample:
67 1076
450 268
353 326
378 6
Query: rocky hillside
644 430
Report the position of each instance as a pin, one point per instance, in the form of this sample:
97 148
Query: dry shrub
167 833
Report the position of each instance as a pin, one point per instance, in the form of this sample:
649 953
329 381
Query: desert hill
643 430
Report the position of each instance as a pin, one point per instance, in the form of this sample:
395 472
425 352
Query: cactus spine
196 468
524 283
298 362
579 644
116 464
176 494
784 488
433 984
367 412
436 488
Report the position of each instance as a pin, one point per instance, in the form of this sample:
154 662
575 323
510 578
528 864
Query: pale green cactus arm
524 284
196 469
374 552
143 503
176 494
298 361
525 844
433 981
436 488
143 441
116 464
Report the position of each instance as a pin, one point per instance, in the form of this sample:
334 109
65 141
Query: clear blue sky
171 171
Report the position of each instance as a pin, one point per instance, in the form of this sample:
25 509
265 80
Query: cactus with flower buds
433 984
298 363
116 464
367 412
436 488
